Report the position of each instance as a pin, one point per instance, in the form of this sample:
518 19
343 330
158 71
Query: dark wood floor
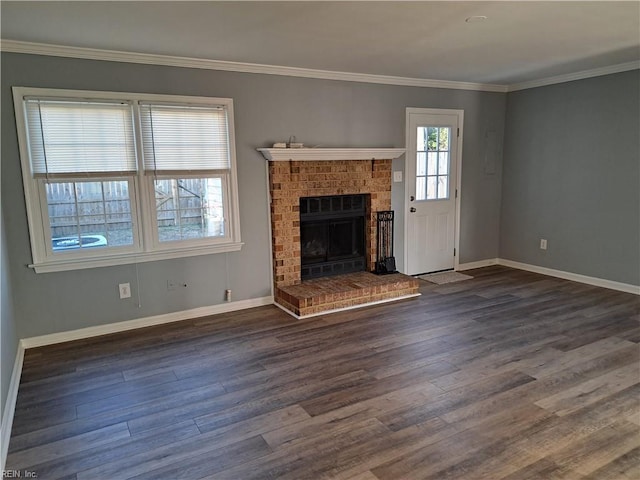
510 375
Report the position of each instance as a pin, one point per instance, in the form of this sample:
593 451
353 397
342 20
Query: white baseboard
143 322
576 277
10 407
479 264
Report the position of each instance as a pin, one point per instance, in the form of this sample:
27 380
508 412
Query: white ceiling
518 42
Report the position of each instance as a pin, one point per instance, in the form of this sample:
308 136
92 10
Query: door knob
412 209
412 198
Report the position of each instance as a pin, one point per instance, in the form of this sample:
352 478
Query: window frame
196 242
437 175
146 245
89 253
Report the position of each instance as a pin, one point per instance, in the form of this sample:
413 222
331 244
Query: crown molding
31 48
569 77
16 46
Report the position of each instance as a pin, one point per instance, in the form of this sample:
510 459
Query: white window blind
78 137
179 138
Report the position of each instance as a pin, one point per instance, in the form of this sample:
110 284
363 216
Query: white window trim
147 248
88 254
159 246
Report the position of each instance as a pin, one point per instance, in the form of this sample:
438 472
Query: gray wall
572 175
267 109
8 334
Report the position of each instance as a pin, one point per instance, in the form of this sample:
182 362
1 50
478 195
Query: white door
433 147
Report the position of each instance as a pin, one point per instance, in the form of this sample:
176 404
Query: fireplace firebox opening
332 235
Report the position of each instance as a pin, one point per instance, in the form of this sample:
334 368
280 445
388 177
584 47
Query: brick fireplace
302 173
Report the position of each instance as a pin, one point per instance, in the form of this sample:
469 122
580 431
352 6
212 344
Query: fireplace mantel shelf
320 154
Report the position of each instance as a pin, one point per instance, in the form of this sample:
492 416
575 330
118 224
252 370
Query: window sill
129 258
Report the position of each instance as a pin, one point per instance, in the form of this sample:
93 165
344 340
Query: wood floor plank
633 335
600 328
546 386
138 463
287 434
65 385
78 426
255 425
364 476
286 463
492 364
194 467
102 393
492 461
454 399
51 451
624 467
147 394
591 391
247 403
181 453
76 460
431 459
509 375
575 357
501 423
329 456
598 449
396 445
367 390
544 469
549 435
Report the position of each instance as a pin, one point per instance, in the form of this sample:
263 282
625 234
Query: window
187 150
88 214
114 178
433 157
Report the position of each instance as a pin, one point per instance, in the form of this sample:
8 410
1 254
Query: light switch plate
397 176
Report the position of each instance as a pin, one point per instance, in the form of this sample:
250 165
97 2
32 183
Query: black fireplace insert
332 235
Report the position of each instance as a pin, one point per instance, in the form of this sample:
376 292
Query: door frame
458 180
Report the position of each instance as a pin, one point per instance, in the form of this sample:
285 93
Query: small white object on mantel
287 145
319 154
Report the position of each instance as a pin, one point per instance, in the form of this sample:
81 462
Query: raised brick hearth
343 291
291 180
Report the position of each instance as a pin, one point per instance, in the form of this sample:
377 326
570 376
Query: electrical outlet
125 290
543 244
